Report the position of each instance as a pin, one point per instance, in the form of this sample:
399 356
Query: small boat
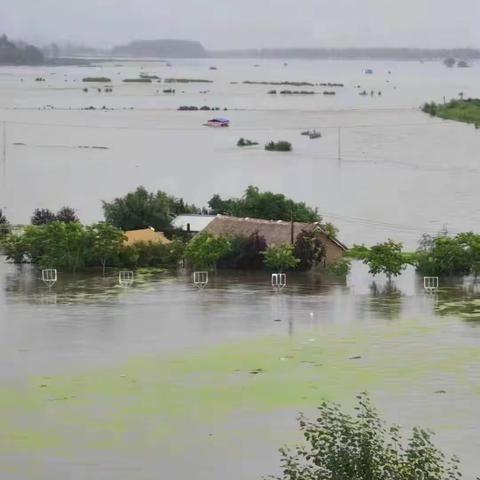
218 122
313 135
213 68
368 71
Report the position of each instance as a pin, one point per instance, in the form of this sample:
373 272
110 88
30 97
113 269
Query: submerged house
275 233
146 235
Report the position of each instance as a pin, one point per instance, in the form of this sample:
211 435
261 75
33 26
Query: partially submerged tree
387 258
341 446
4 224
246 252
309 249
280 258
106 243
206 249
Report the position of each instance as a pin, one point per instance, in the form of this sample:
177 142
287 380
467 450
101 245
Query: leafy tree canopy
142 209
206 249
265 205
280 258
340 446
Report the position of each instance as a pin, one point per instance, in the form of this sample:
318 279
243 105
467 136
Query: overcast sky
222 24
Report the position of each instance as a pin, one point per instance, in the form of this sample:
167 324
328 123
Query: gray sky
222 24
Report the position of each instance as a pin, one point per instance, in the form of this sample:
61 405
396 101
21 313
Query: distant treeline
19 54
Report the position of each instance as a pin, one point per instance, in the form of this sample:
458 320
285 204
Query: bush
281 146
206 249
309 249
280 258
340 446
246 252
4 224
245 143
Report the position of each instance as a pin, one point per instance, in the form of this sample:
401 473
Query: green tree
206 249
387 258
280 258
340 446
106 243
264 205
246 252
67 215
309 249
42 216
4 224
142 209
470 243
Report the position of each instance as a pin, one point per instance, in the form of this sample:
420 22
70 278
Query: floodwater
104 382
164 381
400 173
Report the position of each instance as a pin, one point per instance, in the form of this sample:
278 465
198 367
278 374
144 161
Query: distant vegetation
97 79
19 54
467 111
187 80
242 142
137 80
281 146
192 108
161 49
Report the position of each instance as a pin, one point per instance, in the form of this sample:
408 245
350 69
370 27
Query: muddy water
400 173
104 382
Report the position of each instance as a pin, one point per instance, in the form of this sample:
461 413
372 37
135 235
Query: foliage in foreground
340 446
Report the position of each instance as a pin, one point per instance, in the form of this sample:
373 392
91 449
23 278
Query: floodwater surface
103 382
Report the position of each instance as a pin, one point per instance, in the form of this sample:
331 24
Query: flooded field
99 380
400 173
164 381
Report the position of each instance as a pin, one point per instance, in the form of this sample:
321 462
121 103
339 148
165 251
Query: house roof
197 222
275 232
147 235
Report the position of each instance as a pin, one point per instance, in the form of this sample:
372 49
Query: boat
213 68
218 122
368 71
313 135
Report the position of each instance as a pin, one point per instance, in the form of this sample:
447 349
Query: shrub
281 146
246 252
206 249
309 249
340 446
280 258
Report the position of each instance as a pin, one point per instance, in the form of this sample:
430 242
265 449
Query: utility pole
4 165
339 143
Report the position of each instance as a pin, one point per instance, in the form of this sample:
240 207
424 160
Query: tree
43 216
387 258
265 205
107 241
246 252
309 249
340 446
450 62
67 215
4 224
470 242
280 258
142 209
206 249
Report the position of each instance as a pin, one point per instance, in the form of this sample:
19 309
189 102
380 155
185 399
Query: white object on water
125 278
430 284
279 280
200 279
49 277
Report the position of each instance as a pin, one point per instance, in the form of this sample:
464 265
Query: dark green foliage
264 205
4 224
309 249
67 215
462 110
143 254
246 252
12 54
245 143
340 446
281 146
142 209
387 258
445 255
42 216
